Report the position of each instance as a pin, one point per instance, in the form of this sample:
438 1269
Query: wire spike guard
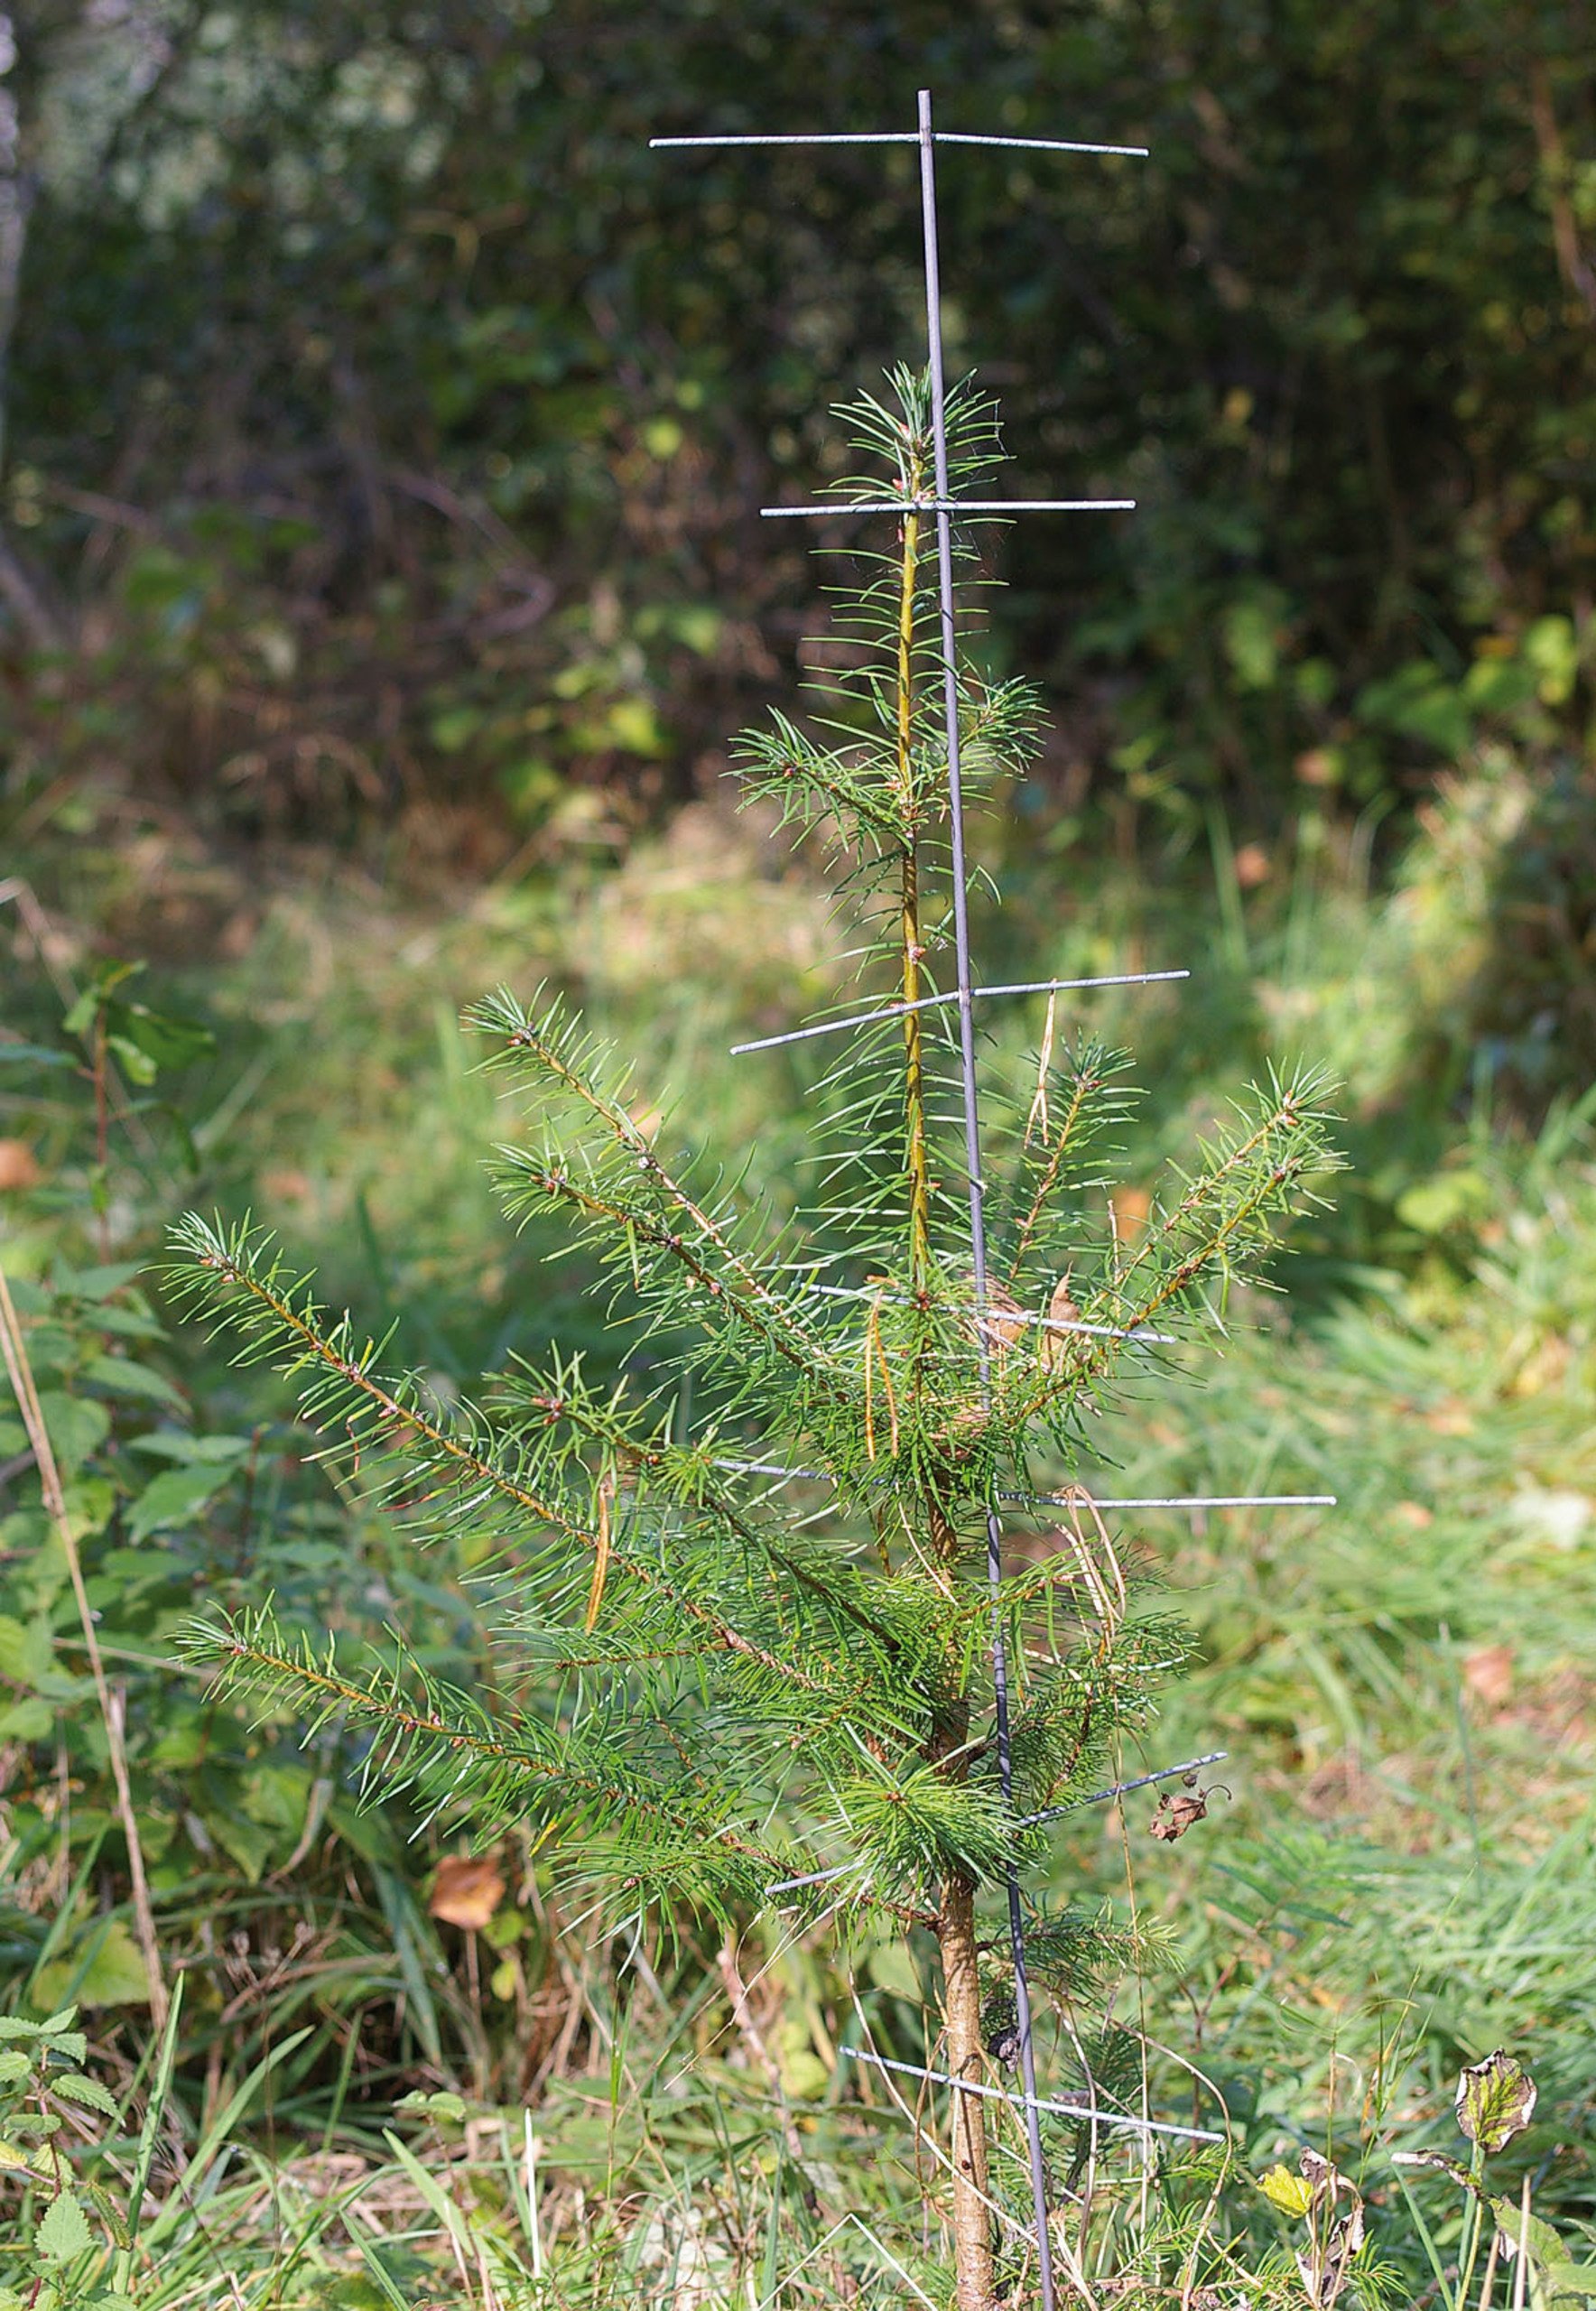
943 508
983 506
1102 1797
957 995
1032 2104
1079 1498
1082 1499
899 136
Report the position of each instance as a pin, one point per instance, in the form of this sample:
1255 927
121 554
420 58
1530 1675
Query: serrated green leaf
76 2088
13 2064
111 2216
16 2160
64 2232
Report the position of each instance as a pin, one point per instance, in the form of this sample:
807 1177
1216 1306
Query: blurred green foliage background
386 421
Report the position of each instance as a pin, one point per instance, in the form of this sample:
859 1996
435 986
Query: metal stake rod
972 1145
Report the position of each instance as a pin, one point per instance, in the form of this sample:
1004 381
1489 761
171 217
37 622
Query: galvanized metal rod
903 136
1117 1789
972 1144
1033 2104
953 506
934 1002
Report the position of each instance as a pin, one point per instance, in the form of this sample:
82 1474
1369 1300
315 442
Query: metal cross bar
1173 1500
1033 2102
1118 1790
1028 1820
951 506
1079 1499
903 136
1136 1333
957 995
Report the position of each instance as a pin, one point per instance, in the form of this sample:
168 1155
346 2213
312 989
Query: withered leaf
1496 2100
1324 2273
467 1890
1176 1816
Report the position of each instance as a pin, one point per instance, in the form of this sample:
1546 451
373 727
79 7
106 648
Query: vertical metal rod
972 1145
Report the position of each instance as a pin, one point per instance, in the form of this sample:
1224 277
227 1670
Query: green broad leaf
250 1846
76 1426
1496 2100
123 1378
113 1975
98 1282
73 2087
13 2064
135 1064
162 1038
1544 2246
90 1501
15 2026
178 1444
174 1497
277 1796
27 1656
107 980
1291 2194
442 2105
27 1720
64 2233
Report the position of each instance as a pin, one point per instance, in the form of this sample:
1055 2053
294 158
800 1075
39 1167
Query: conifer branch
244 1654
213 1254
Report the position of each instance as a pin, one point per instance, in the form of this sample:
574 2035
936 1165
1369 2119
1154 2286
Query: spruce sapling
731 1692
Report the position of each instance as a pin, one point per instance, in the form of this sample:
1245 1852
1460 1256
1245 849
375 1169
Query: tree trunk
962 2014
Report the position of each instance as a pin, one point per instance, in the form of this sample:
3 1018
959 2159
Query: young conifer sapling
732 1689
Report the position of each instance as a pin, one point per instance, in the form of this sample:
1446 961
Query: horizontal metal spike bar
903 136
1102 1797
1075 1325
1173 1500
815 1878
1082 1499
951 505
1016 1316
1029 1821
932 1002
1036 2103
